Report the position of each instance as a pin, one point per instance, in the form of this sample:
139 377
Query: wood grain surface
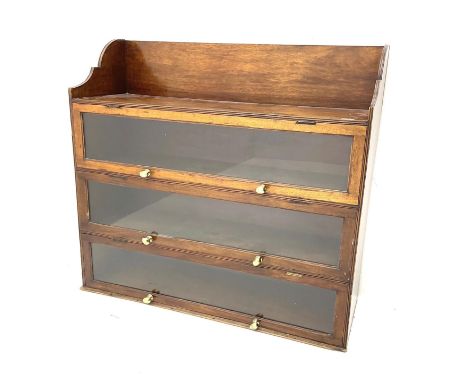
308 89
333 76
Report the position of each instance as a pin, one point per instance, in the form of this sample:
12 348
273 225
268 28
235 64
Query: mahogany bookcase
229 181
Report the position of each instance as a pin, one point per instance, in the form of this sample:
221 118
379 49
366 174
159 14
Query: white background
411 319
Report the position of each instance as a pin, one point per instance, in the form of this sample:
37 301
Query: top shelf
330 83
270 111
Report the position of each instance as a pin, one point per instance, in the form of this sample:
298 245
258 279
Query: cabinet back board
321 76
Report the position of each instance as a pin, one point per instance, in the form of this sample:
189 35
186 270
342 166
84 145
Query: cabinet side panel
374 123
108 77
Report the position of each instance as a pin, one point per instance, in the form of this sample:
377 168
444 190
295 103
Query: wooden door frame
296 267
351 196
336 340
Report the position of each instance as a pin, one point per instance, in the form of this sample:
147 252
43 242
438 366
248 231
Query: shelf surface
270 111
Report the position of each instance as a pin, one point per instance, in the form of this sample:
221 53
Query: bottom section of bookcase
198 310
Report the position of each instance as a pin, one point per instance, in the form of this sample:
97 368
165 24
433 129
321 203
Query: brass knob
257 261
145 173
148 299
147 240
255 324
261 189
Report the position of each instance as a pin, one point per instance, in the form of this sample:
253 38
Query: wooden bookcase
229 181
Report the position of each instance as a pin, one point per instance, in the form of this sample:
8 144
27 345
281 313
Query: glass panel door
271 156
283 301
293 234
